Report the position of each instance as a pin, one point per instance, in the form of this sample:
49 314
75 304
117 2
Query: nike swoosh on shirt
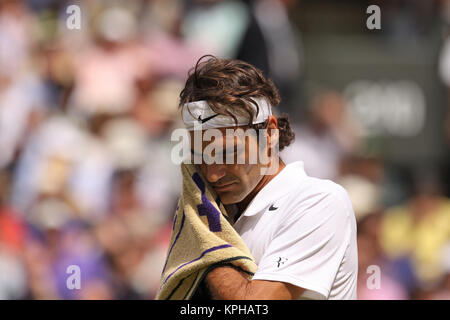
272 208
206 119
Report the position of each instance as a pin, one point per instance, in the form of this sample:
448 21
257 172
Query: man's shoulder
315 193
317 187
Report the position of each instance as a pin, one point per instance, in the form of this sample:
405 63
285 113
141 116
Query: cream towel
202 237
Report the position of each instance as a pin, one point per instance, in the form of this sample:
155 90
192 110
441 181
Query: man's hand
226 283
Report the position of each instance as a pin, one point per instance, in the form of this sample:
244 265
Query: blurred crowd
86 177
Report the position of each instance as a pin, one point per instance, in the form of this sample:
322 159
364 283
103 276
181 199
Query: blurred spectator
15 40
362 177
217 26
13 275
442 290
282 41
419 229
169 53
256 31
324 138
106 73
61 158
371 260
19 113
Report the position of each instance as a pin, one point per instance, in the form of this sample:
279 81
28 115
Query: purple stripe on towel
175 241
223 246
206 208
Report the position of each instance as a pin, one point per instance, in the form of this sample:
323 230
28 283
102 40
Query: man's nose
214 172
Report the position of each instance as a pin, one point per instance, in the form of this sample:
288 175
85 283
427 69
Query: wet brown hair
228 86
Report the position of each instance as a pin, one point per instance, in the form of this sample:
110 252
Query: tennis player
300 230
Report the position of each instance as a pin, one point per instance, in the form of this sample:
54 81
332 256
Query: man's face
232 180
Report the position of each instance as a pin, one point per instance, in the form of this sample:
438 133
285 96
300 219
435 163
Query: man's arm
227 283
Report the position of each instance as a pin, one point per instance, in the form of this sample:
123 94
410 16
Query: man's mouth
223 187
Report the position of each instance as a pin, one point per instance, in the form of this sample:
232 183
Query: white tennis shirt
302 230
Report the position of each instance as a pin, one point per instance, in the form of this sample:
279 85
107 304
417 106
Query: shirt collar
283 183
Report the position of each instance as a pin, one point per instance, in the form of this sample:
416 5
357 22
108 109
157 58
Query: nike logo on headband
207 119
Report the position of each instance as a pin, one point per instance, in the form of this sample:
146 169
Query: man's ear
272 122
272 131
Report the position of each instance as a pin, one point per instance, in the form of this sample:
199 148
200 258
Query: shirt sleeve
308 247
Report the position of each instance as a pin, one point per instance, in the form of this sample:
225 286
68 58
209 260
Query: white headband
200 113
